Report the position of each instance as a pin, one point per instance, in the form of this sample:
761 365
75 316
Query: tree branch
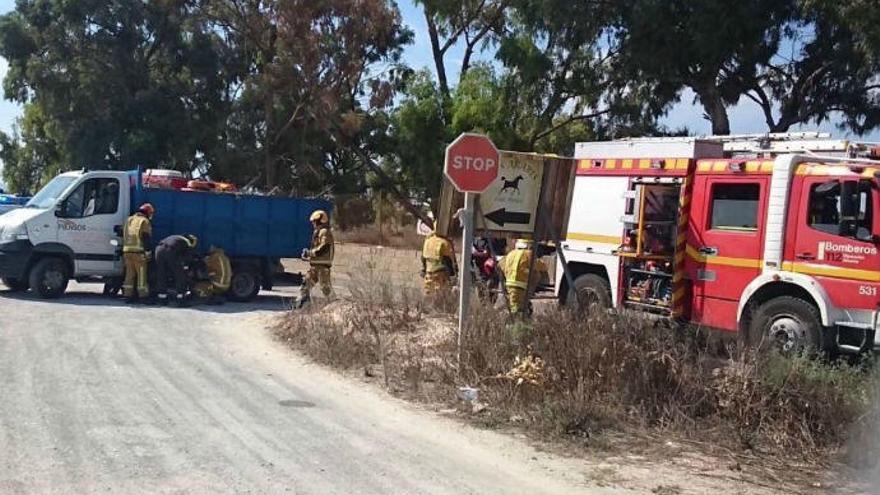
575 118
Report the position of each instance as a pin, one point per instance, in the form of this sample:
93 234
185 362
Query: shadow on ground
263 302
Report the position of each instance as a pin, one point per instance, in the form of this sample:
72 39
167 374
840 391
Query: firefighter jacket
321 252
515 267
136 236
438 255
219 269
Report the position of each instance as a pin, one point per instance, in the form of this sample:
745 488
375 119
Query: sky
745 117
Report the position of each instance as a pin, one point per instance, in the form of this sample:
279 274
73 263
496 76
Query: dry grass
566 375
404 237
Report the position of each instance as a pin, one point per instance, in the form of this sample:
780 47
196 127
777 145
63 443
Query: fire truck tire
788 324
592 290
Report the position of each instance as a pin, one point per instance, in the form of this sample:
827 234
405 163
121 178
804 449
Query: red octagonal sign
471 162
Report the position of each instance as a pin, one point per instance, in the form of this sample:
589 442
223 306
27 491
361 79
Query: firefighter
218 276
515 267
320 258
438 263
173 254
136 253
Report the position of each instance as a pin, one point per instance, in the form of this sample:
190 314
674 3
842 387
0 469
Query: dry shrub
599 372
793 403
386 330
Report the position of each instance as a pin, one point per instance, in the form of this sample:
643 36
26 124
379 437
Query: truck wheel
787 324
15 285
244 286
49 278
592 291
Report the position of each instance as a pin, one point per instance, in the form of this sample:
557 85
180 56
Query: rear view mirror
849 208
60 209
828 188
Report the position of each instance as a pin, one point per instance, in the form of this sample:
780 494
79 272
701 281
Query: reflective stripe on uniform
515 267
435 250
135 226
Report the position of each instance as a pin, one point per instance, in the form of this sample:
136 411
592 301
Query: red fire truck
762 237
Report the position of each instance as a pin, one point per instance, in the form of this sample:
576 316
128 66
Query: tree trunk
268 157
716 111
438 54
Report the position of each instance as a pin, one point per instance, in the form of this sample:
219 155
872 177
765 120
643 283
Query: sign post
471 166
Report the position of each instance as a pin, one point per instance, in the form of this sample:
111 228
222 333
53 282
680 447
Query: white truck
71 229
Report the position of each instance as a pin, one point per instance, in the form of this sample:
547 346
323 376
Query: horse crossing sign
510 203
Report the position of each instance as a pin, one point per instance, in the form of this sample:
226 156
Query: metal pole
464 271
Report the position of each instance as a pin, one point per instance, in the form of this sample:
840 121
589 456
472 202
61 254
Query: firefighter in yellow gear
320 258
219 272
515 267
438 263
136 251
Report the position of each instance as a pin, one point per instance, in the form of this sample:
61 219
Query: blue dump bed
243 225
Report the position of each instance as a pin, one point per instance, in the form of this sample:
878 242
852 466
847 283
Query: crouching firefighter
218 276
173 254
515 268
136 253
438 263
320 258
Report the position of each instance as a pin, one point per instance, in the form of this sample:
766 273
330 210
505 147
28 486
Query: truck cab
69 229
778 249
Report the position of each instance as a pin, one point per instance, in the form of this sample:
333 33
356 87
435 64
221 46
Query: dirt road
96 396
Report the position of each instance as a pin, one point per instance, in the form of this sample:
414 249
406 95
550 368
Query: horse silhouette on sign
513 184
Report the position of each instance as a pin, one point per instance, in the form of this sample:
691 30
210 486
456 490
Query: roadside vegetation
586 380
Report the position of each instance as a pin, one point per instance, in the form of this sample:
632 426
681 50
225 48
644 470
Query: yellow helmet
319 216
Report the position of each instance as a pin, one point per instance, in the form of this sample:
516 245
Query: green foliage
420 135
120 83
800 61
240 90
307 97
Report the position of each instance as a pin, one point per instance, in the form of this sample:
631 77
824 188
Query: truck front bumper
14 257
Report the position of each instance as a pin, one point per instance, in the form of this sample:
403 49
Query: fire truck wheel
593 292
788 324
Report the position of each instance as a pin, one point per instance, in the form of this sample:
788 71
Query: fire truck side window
735 207
824 210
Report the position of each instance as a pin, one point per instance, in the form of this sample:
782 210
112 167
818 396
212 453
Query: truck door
725 243
835 245
87 223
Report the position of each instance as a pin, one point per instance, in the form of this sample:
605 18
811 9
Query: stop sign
471 162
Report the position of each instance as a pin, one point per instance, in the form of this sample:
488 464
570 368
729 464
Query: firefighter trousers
436 282
169 265
516 298
317 275
135 282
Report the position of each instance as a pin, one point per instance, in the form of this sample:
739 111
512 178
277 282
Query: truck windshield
49 194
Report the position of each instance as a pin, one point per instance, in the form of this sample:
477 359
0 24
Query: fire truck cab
779 248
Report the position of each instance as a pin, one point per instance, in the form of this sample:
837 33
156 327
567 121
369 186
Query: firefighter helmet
523 243
147 209
319 216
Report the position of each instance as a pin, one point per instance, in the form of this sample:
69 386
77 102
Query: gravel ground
101 397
